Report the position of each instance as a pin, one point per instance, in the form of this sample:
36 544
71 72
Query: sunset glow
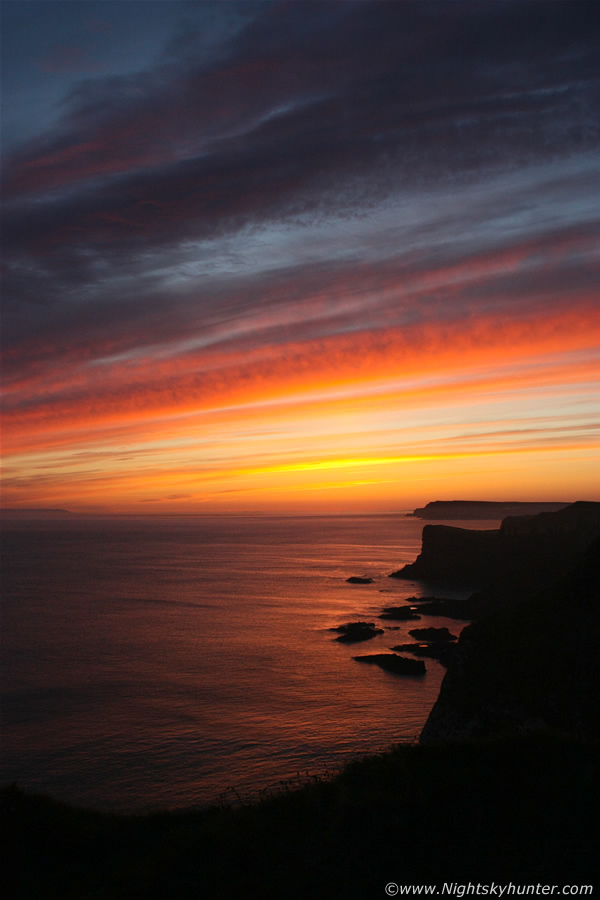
242 276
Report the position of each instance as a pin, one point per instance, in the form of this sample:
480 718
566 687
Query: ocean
168 662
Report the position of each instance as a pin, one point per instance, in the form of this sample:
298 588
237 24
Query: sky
263 256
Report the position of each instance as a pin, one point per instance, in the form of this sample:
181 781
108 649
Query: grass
520 810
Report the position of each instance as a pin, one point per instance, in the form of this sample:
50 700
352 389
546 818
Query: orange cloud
215 424
149 388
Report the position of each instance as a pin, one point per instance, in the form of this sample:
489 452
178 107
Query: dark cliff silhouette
533 661
526 554
481 509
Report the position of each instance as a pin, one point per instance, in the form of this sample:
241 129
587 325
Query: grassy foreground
521 810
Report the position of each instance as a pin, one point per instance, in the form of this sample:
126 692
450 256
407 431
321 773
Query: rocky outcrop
399 613
354 632
398 665
465 609
432 634
480 509
359 579
440 650
531 665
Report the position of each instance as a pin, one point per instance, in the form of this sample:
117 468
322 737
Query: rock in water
399 613
391 662
432 634
440 650
353 632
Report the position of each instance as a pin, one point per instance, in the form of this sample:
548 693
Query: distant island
481 509
42 511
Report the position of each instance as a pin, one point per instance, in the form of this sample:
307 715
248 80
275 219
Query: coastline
165 690
519 811
514 803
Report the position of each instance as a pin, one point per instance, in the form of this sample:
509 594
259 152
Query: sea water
176 661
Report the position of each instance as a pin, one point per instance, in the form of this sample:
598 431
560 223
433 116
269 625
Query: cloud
65 58
455 271
306 92
425 359
298 205
163 499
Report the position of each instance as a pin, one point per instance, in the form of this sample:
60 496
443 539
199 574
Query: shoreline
424 605
518 810
512 801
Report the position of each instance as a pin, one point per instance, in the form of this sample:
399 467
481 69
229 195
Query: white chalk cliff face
534 662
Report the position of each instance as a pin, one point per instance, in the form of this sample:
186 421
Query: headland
500 790
481 509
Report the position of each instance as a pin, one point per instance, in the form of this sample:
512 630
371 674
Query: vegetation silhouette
513 809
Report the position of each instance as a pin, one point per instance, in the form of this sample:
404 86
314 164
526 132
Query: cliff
533 663
531 666
481 509
526 554
454 556
579 520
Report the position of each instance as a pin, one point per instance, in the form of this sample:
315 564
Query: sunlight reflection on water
155 662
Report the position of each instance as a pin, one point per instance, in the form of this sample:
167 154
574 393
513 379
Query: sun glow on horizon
382 441
305 299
